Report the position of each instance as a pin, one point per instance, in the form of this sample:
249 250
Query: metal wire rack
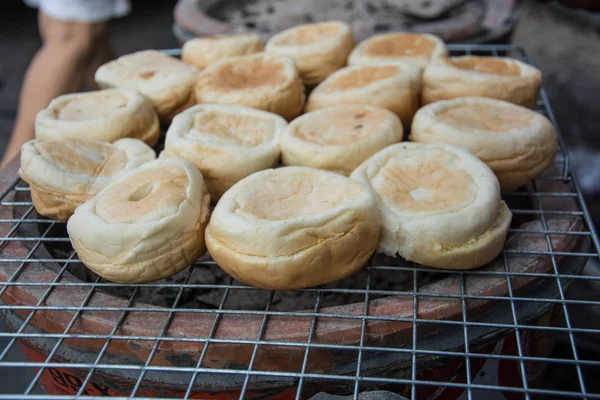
396 326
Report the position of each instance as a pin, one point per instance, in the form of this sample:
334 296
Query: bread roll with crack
318 49
147 225
515 142
293 227
63 174
226 143
203 51
339 138
263 81
105 115
415 48
394 86
166 81
440 206
496 77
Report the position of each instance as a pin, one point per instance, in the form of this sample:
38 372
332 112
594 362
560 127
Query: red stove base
492 372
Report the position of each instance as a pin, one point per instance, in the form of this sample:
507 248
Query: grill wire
565 269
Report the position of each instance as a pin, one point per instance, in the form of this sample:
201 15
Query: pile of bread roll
346 185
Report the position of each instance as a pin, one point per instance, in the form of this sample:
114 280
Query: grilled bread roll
147 225
440 206
417 49
226 143
497 77
166 81
262 81
293 227
105 115
203 51
318 49
339 138
394 86
515 142
63 174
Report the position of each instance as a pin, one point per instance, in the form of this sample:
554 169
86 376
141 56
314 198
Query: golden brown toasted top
245 130
339 126
309 34
286 196
249 73
427 185
400 44
83 157
488 65
154 189
91 106
487 117
362 76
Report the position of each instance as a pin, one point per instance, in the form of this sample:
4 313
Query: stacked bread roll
235 107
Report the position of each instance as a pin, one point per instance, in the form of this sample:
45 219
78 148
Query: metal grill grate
475 334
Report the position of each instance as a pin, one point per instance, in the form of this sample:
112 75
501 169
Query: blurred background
562 37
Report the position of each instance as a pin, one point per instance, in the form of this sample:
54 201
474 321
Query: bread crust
124 113
414 48
166 81
259 236
339 138
516 153
203 51
64 174
440 206
147 225
496 77
214 138
263 81
318 49
394 86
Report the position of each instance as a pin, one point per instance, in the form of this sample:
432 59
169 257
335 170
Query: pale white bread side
263 81
63 174
415 48
147 225
339 138
318 49
166 81
105 115
501 78
203 51
293 227
225 142
394 86
515 142
440 206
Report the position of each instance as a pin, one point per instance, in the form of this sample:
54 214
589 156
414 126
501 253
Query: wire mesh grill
395 326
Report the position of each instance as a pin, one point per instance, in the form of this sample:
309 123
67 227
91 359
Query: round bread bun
147 225
339 138
417 49
262 81
203 51
440 205
394 86
318 49
166 81
293 227
515 142
226 143
65 173
496 77
105 115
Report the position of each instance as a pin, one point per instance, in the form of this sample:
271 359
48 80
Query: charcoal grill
396 326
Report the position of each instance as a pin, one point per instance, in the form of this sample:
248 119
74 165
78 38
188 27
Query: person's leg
59 67
103 54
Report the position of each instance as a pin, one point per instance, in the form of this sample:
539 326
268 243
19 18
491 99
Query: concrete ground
565 46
